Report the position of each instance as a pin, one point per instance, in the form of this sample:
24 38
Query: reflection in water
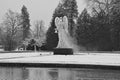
57 74
53 74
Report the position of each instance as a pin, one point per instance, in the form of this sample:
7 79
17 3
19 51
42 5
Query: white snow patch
88 59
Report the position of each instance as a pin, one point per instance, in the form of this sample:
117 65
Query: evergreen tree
71 11
51 36
26 22
115 22
93 32
83 35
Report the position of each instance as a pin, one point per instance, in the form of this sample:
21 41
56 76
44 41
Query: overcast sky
38 9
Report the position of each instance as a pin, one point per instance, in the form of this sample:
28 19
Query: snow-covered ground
82 58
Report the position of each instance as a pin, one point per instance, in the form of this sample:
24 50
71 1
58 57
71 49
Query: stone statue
65 40
62 25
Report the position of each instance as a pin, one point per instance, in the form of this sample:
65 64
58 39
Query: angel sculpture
65 40
62 30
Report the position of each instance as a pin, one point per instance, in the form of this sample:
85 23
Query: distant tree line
96 28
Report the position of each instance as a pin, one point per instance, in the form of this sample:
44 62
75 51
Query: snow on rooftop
82 58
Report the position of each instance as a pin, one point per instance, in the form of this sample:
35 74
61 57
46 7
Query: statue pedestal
63 51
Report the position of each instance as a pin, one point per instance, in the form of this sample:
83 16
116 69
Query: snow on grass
90 59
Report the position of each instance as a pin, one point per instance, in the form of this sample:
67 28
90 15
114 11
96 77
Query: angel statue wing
65 21
57 22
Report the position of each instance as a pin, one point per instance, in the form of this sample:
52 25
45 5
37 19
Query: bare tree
39 32
111 18
98 5
11 27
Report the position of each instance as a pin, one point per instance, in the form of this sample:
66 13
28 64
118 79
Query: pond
26 73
